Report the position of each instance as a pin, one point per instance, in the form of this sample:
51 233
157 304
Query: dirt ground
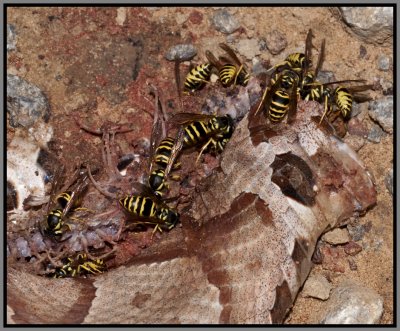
95 63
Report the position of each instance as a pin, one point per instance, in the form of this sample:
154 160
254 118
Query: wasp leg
100 188
327 109
237 74
157 227
210 141
261 101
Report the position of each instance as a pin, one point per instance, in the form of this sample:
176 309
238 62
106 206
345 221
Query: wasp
149 209
281 97
197 77
211 131
286 85
160 152
340 100
298 62
78 265
162 156
59 205
230 68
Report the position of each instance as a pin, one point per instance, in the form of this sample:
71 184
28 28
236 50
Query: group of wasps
290 80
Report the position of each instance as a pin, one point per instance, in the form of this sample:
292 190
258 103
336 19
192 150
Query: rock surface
372 24
26 103
317 287
352 303
382 111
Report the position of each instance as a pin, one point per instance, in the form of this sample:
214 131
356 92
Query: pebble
384 63
11 38
357 127
363 52
276 42
26 103
352 303
317 286
258 67
248 48
389 181
359 108
333 258
182 52
224 22
326 76
352 264
375 134
352 248
355 142
358 231
372 24
381 111
336 236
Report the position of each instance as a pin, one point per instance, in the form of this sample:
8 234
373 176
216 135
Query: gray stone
384 63
248 48
381 111
224 22
11 38
326 76
336 237
358 108
317 286
182 52
352 303
276 42
375 134
26 103
258 67
389 181
358 231
372 24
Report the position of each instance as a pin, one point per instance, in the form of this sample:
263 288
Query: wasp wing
307 53
175 150
77 189
321 57
230 53
158 131
213 60
292 103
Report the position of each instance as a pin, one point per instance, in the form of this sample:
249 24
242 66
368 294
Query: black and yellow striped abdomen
195 133
139 205
279 105
343 100
163 152
198 76
227 74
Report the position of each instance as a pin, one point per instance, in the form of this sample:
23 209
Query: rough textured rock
26 103
382 111
389 181
249 48
372 24
336 237
352 303
384 63
224 22
183 52
317 287
11 38
276 41
375 134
